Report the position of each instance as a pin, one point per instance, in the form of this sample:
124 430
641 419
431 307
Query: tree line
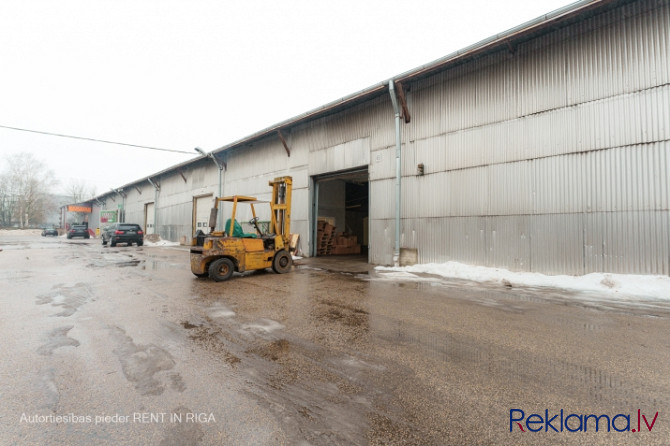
27 190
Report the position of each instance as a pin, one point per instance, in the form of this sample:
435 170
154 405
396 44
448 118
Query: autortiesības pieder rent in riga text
135 418
560 422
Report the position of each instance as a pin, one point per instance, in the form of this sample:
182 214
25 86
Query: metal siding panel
509 245
382 199
348 155
443 239
382 164
467 192
556 245
475 138
411 199
299 205
510 188
430 152
357 153
373 120
542 80
424 196
381 246
429 108
558 184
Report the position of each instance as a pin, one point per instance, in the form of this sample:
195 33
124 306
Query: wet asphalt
124 346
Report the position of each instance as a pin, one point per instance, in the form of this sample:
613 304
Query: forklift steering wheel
254 222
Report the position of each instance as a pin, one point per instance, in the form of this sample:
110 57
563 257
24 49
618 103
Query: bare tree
25 188
79 191
7 201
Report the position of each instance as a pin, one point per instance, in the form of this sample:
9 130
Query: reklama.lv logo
573 422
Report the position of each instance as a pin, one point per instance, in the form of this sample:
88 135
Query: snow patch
621 285
220 311
160 243
264 325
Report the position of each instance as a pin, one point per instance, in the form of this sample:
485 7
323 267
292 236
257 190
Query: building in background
545 148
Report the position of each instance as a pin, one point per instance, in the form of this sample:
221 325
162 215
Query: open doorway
341 205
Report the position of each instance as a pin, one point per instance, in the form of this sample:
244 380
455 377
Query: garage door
149 218
201 209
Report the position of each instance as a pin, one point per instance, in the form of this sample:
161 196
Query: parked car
123 233
49 231
78 231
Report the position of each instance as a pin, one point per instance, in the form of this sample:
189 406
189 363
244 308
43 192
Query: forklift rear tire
221 269
282 262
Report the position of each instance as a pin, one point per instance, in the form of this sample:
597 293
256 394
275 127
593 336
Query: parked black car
49 231
123 233
78 231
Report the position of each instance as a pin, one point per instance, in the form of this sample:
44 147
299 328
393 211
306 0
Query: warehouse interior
342 209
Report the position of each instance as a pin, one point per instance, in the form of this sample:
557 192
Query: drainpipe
396 110
156 189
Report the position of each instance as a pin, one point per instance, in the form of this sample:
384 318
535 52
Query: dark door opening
341 214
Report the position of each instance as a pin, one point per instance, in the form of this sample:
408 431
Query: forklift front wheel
221 269
282 262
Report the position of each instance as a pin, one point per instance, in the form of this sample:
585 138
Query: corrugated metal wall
554 158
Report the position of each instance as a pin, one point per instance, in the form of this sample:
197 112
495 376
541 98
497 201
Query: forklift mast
280 222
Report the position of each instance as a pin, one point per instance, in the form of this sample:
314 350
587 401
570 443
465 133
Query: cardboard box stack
346 244
324 238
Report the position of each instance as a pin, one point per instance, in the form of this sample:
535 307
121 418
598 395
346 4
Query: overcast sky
177 74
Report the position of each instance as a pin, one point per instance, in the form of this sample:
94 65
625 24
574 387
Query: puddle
128 263
144 364
57 338
48 388
69 298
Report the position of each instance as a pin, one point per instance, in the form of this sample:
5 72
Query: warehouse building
545 148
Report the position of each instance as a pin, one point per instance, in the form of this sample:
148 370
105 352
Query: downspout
156 189
396 110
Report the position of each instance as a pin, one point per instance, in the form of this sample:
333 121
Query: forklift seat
237 230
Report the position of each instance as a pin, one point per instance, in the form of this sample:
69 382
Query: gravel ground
317 356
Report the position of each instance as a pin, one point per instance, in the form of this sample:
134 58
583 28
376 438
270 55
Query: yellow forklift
220 253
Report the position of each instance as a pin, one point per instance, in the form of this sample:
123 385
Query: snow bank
623 285
160 243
